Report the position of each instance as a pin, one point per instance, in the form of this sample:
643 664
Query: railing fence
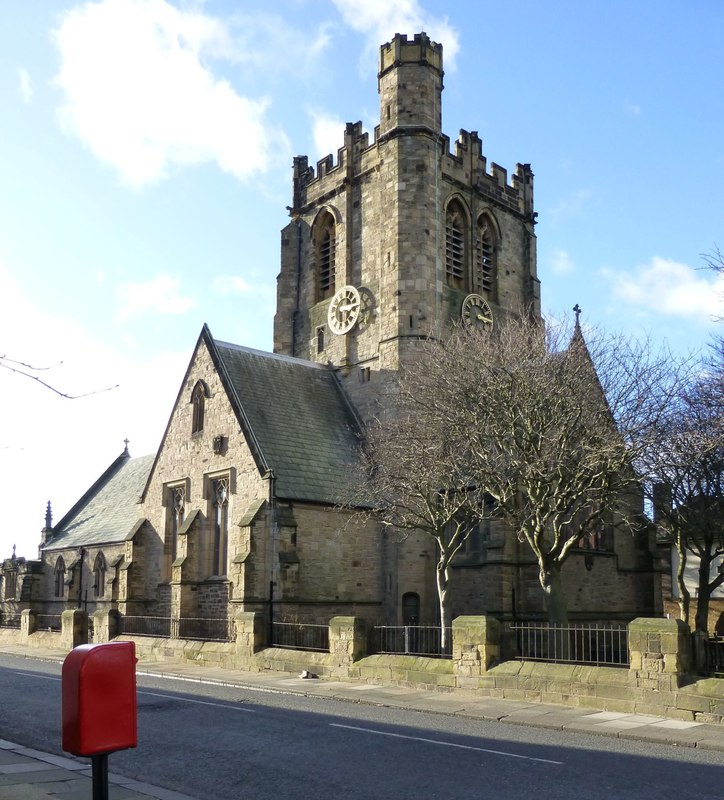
599 644
300 636
413 640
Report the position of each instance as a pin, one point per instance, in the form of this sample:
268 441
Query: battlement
401 50
468 165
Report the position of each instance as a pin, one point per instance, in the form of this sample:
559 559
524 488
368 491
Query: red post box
99 698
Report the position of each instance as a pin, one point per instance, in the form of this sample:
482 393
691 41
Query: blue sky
145 155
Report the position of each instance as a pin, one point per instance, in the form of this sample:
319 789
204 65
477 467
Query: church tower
399 237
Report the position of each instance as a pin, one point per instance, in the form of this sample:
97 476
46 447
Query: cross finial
125 452
577 312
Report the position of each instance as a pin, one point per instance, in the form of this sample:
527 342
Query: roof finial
125 452
13 557
48 517
577 312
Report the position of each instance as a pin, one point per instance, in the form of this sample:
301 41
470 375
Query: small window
59 577
198 401
99 575
320 339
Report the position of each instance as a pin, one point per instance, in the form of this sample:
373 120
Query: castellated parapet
377 216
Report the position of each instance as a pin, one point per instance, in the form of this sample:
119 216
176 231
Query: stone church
241 507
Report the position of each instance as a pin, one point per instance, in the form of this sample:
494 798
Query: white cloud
380 20
328 133
140 95
25 85
160 295
670 287
561 263
632 108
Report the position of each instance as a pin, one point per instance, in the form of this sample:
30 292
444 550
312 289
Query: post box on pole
99 705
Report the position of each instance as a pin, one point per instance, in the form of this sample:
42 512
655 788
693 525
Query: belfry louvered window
455 247
326 247
486 256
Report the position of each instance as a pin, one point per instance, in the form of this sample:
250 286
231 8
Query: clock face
344 310
476 312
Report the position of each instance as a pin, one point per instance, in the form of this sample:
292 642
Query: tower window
320 339
455 256
486 260
325 245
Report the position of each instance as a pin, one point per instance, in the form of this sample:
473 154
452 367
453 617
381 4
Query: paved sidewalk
27 774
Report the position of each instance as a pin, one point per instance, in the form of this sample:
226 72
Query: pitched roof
296 418
109 510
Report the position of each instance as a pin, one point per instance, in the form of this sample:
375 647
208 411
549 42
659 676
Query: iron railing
203 629
159 627
9 619
48 622
709 654
602 644
413 640
300 636
198 628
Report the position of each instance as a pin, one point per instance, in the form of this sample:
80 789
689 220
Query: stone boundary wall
658 681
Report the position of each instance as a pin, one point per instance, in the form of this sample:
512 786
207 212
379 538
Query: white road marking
155 694
199 702
35 675
444 744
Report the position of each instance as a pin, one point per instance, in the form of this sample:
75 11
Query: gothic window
486 258
59 577
455 246
11 585
176 517
599 536
320 339
325 252
99 575
220 501
198 402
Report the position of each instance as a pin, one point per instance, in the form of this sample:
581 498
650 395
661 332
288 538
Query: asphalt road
216 742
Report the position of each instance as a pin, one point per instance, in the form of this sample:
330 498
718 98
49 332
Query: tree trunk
701 621
444 602
684 597
550 580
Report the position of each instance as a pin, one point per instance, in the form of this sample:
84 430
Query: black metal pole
100 776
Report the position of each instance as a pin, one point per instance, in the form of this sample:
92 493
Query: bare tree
547 426
686 484
416 480
32 372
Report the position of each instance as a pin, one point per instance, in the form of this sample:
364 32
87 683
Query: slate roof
297 419
109 510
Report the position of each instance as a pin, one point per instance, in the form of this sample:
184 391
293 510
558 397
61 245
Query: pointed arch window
486 256
325 241
99 575
220 497
176 517
455 246
59 577
198 403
